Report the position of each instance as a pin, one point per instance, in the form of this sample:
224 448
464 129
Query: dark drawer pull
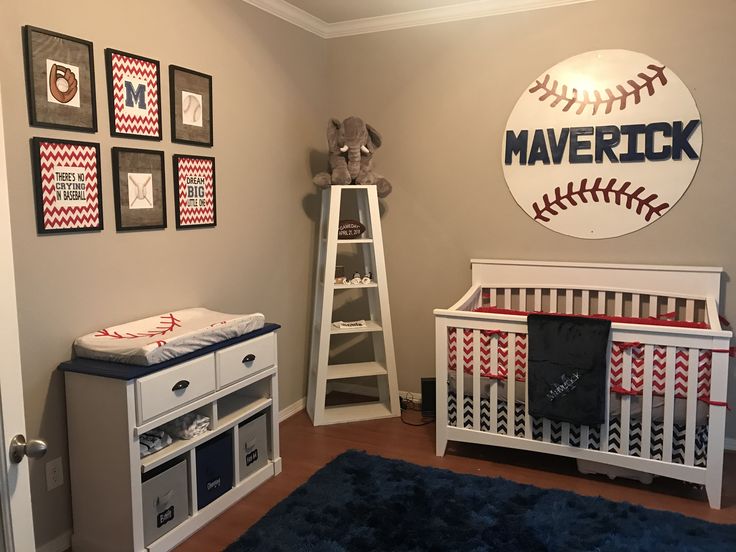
249 358
179 385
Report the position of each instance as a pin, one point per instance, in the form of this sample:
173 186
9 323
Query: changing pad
166 336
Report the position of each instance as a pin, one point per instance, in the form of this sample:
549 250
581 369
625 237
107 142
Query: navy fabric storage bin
214 468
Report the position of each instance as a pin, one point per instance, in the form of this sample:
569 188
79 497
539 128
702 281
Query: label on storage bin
251 456
164 517
214 483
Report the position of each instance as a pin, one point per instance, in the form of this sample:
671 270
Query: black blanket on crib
567 368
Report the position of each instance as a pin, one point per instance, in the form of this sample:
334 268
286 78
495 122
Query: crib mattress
166 336
594 436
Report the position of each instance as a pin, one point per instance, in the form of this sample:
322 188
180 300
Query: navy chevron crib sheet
594 436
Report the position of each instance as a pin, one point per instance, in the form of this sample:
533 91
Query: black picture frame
152 125
183 217
70 53
127 217
61 216
182 80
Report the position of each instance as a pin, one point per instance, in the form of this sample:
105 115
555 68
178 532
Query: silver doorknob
35 448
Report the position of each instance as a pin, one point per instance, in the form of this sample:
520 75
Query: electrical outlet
54 474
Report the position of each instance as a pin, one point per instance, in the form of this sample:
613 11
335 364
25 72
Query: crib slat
565 433
522 299
493 299
635 305
601 302
605 427
507 298
511 387
546 430
552 300
586 302
460 379
692 403
646 402
653 306
527 416
584 436
626 405
690 310
537 299
618 304
494 385
569 305
669 405
671 304
476 380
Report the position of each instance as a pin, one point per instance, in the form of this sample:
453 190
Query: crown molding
296 16
467 10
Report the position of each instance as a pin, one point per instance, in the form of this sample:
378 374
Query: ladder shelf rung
356 412
355 286
370 326
355 370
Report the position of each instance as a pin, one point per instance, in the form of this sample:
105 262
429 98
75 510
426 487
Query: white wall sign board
602 144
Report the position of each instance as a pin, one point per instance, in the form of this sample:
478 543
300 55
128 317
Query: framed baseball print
67 185
139 185
195 201
60 80
191 107
134 95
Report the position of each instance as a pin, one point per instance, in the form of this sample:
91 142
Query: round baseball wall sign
602 144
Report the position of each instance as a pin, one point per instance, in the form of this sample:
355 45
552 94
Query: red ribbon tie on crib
623 391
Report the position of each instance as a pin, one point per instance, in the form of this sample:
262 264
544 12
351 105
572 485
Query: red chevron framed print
60 80
134 95
195 199
67 185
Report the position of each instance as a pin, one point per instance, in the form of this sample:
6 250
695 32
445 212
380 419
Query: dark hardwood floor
305 449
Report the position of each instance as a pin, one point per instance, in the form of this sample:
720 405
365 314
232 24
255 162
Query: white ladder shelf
383 365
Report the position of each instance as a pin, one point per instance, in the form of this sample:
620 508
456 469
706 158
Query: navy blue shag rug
364 503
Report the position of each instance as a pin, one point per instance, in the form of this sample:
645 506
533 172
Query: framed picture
139 185
195 202
60 80
191 107
134 95
67 185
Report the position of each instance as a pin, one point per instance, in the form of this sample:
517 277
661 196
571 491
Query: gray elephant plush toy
352 143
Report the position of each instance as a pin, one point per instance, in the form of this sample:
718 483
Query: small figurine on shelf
356 278
368 278
340 275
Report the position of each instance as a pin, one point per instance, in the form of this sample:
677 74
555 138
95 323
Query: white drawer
174 387
244 359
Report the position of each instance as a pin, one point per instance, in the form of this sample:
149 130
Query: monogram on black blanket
567 368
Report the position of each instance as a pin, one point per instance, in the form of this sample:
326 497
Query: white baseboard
292 409
60 544
730 443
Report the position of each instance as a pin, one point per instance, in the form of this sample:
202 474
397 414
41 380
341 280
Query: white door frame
14 478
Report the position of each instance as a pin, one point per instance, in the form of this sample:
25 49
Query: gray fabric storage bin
253 445
165 499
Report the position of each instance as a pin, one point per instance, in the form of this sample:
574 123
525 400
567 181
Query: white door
15 488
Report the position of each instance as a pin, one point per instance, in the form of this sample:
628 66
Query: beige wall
269 112
441 96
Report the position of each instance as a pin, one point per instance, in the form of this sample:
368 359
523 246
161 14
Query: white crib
666 411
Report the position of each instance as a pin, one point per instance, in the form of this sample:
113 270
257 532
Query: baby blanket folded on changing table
567 368
166 336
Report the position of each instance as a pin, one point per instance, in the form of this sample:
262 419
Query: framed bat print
67 185
191 107
134 95
139 186
195 201
60 81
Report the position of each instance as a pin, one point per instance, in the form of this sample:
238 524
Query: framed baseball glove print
60 80
191 107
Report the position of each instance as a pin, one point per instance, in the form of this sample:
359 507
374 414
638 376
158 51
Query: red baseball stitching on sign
584 193
167 324
598 99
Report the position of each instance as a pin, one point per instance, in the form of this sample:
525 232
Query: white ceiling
334 11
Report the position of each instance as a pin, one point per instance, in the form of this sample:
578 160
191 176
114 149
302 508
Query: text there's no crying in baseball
618 144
